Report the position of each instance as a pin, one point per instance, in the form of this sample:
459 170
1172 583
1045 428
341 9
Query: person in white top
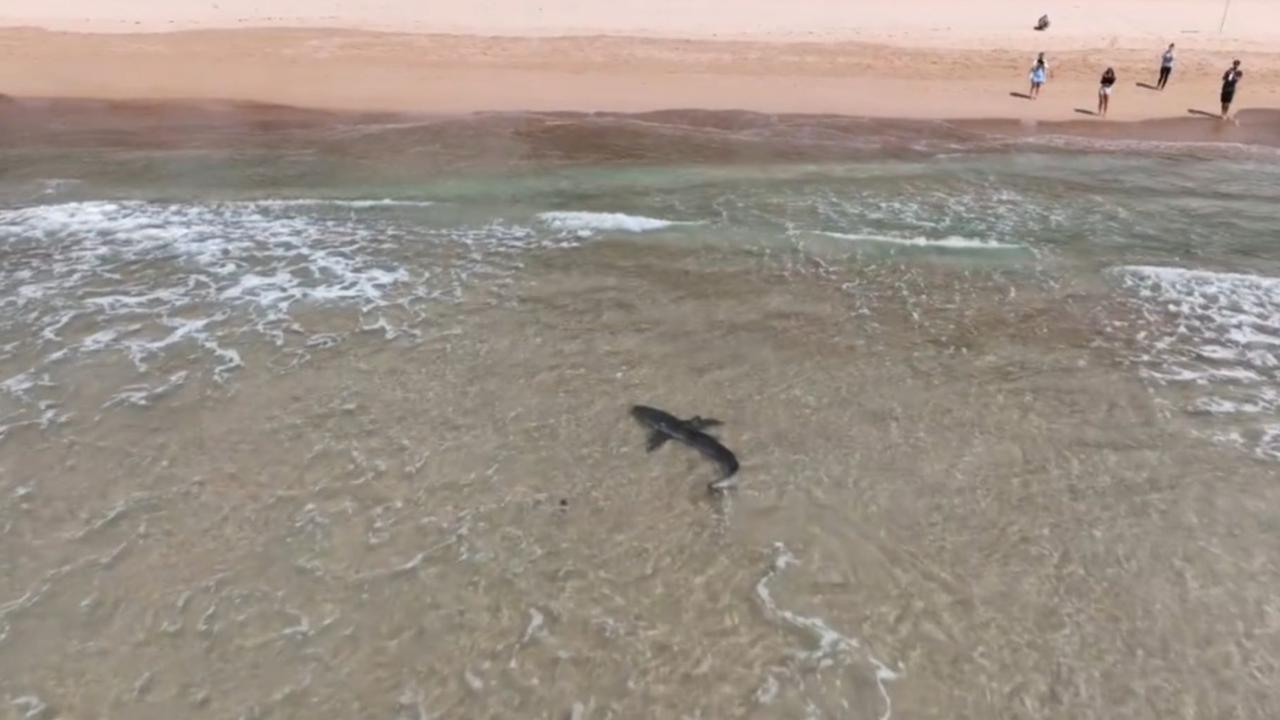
1038 75
1166 67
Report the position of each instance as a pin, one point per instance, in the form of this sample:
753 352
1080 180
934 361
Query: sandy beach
926 60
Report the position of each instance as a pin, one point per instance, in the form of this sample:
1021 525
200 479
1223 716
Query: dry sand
979 24
924 59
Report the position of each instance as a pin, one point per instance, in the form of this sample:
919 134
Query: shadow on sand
1024 96
1205 113
1085 111
1148 86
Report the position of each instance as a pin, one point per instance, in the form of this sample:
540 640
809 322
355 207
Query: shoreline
180 122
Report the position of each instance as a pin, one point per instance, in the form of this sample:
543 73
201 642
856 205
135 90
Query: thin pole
1225 8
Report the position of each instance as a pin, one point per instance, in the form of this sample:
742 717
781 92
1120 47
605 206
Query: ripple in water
1214 336
154 282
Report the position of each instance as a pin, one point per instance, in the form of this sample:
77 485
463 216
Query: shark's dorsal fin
701 423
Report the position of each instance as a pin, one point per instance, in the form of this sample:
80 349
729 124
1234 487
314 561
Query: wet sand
706 136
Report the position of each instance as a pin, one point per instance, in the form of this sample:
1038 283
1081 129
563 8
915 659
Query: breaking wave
946 243
604 222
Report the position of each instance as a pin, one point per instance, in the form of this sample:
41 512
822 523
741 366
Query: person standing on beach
1039 74
1104 91
1229 80
1166 67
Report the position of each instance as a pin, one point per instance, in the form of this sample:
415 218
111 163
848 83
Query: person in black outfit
1229 80
1104 90
1166 67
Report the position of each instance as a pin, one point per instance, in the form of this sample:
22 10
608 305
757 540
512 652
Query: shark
664 426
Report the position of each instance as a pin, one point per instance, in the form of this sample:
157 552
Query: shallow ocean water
330 420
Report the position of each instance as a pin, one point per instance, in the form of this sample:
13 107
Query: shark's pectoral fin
701 423
656 438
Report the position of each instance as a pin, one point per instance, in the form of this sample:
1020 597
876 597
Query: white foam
321 202
105 338
1216 334
832 646
575 221
144 395
31 707
1267 401
154 280
20 386
1180 276
768 691
1268 446
951 242
535 625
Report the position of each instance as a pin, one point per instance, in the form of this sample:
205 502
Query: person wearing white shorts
1104 90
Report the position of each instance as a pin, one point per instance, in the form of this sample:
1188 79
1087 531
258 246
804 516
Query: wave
580 221
1216 336
323 202
951 242
1171 274
170 220
1190 148
138 283
1233 315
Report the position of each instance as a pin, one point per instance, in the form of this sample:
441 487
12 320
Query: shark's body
664 426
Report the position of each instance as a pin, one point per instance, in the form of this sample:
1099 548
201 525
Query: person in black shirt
1104 90
1229 80
1166 67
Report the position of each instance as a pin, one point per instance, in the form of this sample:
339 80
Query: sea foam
574 221
1215 335
951 242
154 283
